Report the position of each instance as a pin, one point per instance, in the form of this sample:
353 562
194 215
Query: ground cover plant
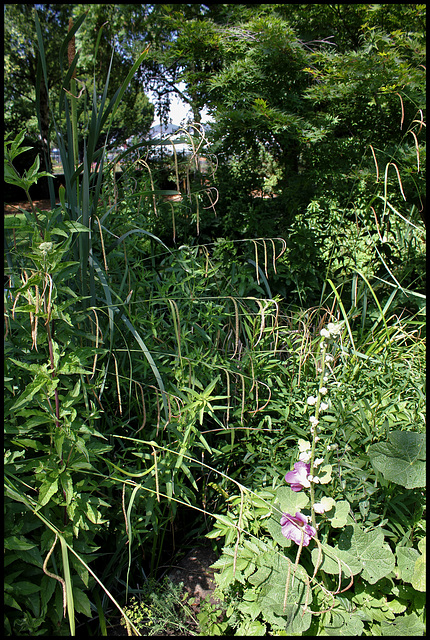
272 386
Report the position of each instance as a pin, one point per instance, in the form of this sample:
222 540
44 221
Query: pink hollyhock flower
299 477
294 526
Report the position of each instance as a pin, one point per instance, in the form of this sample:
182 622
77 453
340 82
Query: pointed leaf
46 491
81 602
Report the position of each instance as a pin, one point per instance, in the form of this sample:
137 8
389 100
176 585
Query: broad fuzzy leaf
402 459
369 548
406 559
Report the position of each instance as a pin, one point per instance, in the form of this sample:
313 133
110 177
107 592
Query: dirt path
15 207
198 579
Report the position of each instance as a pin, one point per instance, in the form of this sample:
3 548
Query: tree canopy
298 92
23 76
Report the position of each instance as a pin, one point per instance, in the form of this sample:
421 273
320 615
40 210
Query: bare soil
45 205
198 579
15 207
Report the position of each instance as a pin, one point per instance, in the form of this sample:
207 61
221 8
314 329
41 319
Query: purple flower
294 526
299 477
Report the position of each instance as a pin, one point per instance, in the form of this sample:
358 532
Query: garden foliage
269 384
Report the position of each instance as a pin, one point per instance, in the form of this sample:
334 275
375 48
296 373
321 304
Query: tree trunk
197 118
45 160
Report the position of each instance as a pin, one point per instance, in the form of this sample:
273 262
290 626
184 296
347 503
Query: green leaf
31 173
251 628
344 623
370 550
225 520
406 626
47 588
406 558
396 606
16 221
30 390
324 474
11 177
15 149
27 442
291 501
75 227
67 484
81 602
402 459
17 544
25 588
419 577
31 556
46 491
10 602
225 577
260 576
332 558
285 612
327 503
339 519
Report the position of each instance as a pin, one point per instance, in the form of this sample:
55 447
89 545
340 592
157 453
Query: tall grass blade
262 276
344 314
381 312
108 297
129 233
100 612
114 103
69 586
176 325
130 534
70 34
151 362
98 119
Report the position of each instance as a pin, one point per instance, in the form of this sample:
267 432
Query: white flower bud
303 444
305 456
45 247
335 328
